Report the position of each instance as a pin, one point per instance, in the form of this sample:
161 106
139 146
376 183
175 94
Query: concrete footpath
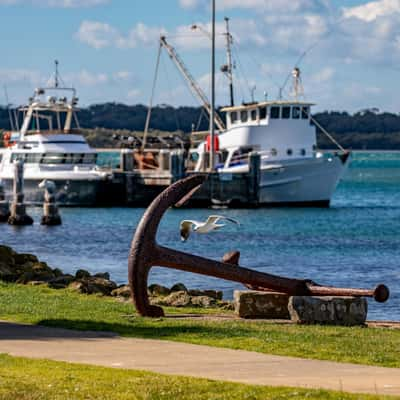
110 350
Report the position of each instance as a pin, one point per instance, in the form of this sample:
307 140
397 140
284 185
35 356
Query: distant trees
367 129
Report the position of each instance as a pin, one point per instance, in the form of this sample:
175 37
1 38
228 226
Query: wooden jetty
136 183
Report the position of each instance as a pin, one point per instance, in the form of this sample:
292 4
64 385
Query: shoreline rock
27 269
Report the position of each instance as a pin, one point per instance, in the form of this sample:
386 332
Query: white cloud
260 5
324 75
97 34
56 3
372 10
100 35
19 76
134 94
122 76
86 78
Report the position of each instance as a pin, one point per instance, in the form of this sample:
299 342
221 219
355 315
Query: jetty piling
51 215
18 216
254 177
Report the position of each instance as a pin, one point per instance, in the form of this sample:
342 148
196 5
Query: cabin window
33 158
263 113
68 158
1 157
285 112
274 152
244 116
289 152
89 158
303 152
53 158
254 115
233 117
17 156
275 112
305 112
296 112
77 158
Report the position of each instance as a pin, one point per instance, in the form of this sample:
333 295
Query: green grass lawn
40 305
25 379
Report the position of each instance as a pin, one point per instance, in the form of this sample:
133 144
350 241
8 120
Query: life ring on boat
216 143
6 139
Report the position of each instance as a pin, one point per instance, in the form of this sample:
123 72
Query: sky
348 51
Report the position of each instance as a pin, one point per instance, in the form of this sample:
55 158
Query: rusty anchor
146 253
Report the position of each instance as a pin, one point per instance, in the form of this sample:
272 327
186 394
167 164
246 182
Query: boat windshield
55 158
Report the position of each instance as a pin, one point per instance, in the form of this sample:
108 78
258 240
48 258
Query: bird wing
185 228
213 219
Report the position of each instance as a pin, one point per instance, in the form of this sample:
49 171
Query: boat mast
212 114
56 78
228 68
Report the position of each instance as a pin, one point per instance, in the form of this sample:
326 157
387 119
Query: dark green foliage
366 129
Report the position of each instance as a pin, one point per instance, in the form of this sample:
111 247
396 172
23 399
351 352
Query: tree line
367 129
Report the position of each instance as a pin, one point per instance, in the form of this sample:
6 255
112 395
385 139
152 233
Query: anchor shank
187 262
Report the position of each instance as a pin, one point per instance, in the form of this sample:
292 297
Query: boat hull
68 192
308 183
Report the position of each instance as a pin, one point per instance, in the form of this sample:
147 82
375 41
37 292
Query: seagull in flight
203 227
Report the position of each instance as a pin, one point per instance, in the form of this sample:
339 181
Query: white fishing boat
292 171
283 133
52 147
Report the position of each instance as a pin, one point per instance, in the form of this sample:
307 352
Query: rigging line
242 70
311 47
8 108
326 133
170 90
202 113
258 63
241 90
146 128
323 130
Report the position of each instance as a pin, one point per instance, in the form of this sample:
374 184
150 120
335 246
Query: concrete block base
347 311
263 305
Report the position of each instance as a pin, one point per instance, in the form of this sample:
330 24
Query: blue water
354 243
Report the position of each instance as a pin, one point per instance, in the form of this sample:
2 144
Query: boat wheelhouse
279 130
52 147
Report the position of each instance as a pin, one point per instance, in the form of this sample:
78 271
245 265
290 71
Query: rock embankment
28 270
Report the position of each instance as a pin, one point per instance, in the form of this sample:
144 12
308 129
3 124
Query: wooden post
176 165
164 160
4 205
254 177
18 215
126 157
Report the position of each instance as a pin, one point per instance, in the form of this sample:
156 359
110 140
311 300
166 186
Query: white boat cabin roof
250 106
